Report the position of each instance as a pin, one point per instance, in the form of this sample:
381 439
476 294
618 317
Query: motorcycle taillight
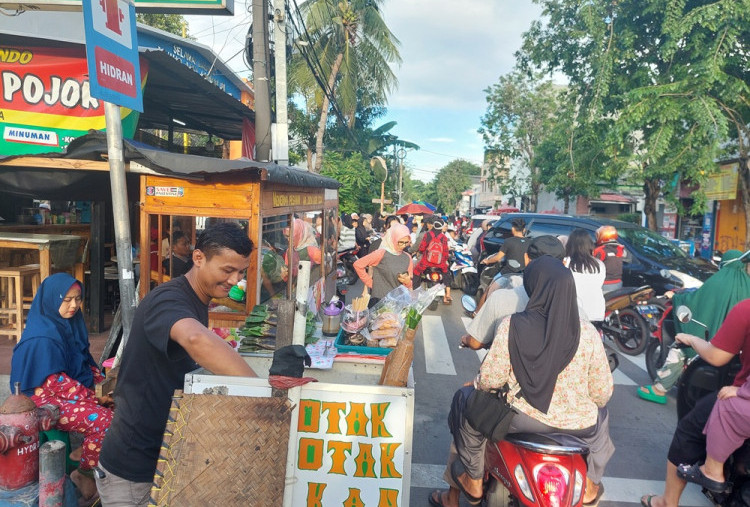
552 482
435 277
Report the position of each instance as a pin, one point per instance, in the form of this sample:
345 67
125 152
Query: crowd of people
536 322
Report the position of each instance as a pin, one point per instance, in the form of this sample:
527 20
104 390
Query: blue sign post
112 52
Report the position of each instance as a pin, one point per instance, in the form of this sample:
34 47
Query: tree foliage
450 182
172 23
357 183
351 52
653 77
520 113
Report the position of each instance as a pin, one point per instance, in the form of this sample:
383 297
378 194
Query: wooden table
44 243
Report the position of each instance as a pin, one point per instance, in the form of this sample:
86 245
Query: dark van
653 260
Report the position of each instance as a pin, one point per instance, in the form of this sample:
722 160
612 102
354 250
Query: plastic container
359 349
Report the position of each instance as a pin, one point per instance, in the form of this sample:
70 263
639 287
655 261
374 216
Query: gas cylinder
20 422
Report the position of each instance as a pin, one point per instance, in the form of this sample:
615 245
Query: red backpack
434 253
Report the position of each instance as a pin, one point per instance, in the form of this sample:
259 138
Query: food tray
358 349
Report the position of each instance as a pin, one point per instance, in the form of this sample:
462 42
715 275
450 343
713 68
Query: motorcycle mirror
665 273
684 314
468 303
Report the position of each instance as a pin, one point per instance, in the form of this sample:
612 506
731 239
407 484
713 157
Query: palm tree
354 48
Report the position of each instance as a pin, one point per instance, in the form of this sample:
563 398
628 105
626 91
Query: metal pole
52 474
281 152
121 218
260 82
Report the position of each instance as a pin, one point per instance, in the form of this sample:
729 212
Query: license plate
648 310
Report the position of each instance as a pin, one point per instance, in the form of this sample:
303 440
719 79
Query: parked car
476 221
653 260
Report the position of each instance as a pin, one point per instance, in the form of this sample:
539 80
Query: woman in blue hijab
53 365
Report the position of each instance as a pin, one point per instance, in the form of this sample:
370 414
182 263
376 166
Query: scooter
347 258
623 322
698 380
535 470
432 276
465 275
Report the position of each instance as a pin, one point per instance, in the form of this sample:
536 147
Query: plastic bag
353 321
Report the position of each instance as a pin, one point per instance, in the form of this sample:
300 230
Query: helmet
605 234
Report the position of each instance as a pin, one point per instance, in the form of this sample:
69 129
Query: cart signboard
352 443
212 7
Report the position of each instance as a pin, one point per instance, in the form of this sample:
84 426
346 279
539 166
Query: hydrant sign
112 52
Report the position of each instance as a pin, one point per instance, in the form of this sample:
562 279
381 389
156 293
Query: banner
723 186
45 100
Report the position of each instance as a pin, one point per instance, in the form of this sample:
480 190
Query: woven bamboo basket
223 450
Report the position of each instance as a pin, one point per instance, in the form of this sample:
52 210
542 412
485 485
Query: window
273 269
541 228
501 230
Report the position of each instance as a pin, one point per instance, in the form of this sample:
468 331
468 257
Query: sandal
694 474
599 493
646 500
647 393
436 498
458 468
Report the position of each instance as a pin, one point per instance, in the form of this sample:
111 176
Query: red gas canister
20 422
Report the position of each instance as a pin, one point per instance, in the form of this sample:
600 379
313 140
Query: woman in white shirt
588 273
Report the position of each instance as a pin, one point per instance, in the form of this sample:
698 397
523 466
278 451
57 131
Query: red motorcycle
535 469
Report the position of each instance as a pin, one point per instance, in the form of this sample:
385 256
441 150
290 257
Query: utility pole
401 156
281 142
260 81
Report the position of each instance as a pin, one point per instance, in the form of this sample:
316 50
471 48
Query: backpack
434 253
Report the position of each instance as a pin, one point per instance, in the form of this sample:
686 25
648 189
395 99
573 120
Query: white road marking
621 379
481 352
617 490
639 360
437 354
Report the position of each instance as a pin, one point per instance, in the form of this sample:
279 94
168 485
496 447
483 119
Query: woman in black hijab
558 378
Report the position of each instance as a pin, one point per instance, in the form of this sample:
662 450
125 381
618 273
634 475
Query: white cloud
441 140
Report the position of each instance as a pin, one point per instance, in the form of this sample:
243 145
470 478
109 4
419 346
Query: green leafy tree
172 23
656 77
357 182
451 181
355 49
520 113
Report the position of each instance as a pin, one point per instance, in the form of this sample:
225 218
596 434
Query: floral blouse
582 387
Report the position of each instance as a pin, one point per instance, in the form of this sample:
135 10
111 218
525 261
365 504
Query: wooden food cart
263 200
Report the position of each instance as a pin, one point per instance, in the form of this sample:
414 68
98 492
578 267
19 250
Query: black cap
545 245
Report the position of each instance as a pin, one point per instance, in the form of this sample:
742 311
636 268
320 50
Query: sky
452 50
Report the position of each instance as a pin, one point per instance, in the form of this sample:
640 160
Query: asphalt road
641 430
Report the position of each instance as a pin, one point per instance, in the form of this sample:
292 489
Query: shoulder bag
489 412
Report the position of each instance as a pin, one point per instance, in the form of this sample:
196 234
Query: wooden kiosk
264 202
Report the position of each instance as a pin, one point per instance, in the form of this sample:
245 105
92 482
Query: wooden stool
13 301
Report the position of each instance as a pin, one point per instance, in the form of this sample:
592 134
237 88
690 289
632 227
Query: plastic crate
359 349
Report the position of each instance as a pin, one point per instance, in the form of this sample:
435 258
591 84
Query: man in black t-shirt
513 249
169 338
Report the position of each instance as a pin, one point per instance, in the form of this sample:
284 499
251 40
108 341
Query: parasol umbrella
414 209
433 208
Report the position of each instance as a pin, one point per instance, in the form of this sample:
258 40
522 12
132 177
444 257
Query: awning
613 198
65 177
175 91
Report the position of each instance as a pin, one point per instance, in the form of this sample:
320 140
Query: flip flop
457 468
693 473
439 501
649 395
598 496
646 500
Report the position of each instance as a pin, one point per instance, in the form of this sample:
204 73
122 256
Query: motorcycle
624 322
432 276
347 258
535 470
465 275
697 380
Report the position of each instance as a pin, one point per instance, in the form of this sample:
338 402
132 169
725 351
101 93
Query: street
641 430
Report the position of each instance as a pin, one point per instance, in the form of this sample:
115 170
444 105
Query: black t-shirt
153 366
514 248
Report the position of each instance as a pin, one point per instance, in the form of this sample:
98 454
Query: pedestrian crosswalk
438 350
